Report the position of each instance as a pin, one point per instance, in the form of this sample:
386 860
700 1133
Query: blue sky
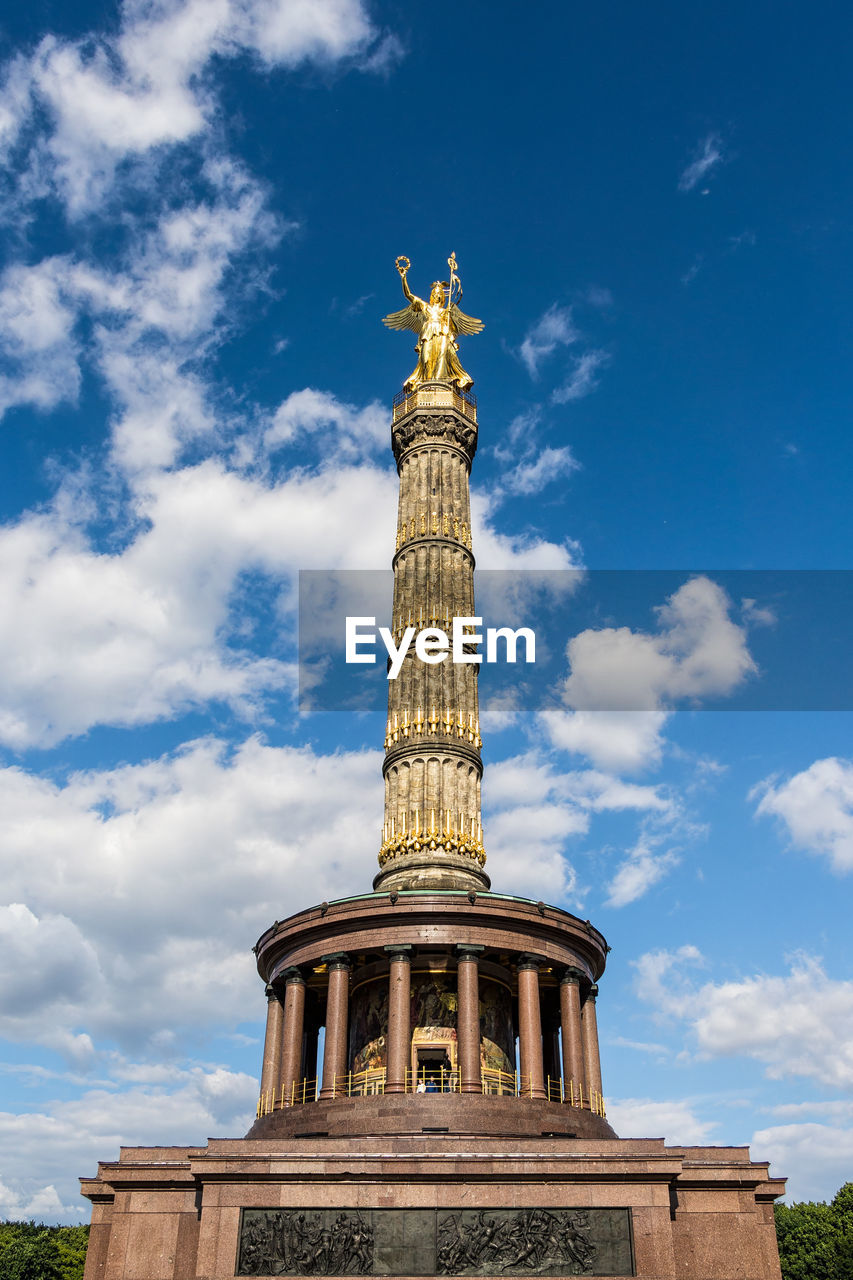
202 204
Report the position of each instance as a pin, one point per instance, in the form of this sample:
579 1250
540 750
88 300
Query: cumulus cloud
697 651
796 1025
64 1139
622 683
816 808
125 945
347 432
709 154
531 804
622 740
147 631
816 1157
37 321
645 1118
109 99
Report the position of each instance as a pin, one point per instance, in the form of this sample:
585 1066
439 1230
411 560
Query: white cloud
622 682
64 1139
202 834
152 630
527 468
646 1118
645 866
114 98
554 328
528 551
621 740
532 474
816 1157
796 1025
582 380
534 806
37 324
152 316
709 154
347 432
816 806
697 651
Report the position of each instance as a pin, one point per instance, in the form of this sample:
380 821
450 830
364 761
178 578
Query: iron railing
435 395
363 1084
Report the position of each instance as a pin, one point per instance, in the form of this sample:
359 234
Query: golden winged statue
436 323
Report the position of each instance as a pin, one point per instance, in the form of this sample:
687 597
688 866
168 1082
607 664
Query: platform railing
435 396
370 1083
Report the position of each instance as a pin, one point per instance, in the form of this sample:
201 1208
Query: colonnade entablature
431 991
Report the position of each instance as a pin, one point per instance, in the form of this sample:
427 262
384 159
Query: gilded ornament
437 324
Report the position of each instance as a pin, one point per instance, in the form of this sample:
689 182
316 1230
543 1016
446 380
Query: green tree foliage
32 1251
816 1239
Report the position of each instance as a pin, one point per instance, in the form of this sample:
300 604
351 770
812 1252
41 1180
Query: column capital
398 951
337 960
573 975
292 975
592 993
468 951
270 993
530 962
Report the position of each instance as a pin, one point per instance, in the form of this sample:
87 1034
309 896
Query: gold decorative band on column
435 525
446 836
432 721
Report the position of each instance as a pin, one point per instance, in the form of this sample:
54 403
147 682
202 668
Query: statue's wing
465 324
409 318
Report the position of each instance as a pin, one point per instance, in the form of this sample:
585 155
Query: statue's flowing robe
436 327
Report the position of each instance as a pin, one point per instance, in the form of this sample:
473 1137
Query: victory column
455 1125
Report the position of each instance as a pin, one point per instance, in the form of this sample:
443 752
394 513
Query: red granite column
291 1041
589 1029
570 1023
399 1042
272 1044
530 1028
468 1018
337 1010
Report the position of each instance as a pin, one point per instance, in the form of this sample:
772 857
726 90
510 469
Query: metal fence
435 396
364 1084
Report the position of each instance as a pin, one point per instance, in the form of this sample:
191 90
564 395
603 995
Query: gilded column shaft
432 834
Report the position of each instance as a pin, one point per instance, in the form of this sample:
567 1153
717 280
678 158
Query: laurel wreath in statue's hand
405 264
